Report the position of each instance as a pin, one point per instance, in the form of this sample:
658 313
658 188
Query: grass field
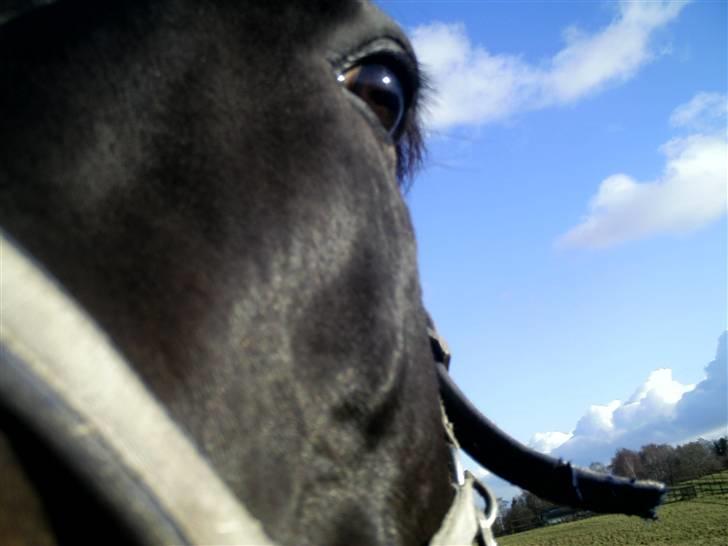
699 522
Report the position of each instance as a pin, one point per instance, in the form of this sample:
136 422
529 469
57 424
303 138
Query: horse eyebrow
411 148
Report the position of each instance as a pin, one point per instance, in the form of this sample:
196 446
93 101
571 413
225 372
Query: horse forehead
338 27
349 21
367 23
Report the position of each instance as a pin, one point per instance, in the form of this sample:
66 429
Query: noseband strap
61 377
464 523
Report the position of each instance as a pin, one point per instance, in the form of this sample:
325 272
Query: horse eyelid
410 147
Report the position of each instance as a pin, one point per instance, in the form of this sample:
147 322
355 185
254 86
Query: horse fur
195 177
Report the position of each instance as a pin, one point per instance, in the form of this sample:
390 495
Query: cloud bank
474 87
690 193
661 410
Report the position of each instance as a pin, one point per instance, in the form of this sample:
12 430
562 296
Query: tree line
661 462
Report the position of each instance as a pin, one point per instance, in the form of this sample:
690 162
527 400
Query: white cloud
546 442
597 420
613 54
656 398
706 407
661 410
705 111
473 86
690 194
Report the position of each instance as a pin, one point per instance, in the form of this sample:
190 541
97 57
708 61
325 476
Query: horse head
197 177
215 188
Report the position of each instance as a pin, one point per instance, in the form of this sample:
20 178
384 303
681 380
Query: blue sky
571 214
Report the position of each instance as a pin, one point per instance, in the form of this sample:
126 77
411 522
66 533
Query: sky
571 215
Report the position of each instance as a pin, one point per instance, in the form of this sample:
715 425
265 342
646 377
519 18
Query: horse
202 206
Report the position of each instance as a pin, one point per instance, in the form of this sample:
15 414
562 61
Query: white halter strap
62 375
464 523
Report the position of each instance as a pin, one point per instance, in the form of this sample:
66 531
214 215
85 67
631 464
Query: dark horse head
218 186
197 178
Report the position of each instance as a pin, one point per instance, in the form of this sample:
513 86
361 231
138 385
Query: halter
70 394
464 523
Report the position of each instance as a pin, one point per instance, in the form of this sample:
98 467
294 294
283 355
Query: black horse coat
195 176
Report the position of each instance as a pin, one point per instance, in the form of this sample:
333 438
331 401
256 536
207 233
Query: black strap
549 478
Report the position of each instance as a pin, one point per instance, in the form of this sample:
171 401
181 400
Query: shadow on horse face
195 176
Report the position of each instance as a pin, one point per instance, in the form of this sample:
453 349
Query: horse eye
381 89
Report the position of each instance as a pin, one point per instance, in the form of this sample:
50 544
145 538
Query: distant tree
525 512
520 516
601 468
537 505
626 463
720 446
695 459
499 527
657 462
720 450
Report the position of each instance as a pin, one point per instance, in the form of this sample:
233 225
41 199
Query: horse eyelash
411 148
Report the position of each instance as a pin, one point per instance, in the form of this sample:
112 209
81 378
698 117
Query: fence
703 487
707 486
549 517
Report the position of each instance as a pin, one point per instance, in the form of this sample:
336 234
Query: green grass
700 522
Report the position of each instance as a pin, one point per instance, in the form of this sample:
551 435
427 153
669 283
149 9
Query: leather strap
549 478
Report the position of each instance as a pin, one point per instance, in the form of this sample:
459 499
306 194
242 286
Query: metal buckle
440 350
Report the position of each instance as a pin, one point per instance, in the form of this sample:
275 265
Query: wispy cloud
704 112
690 193
589 61
471 85
475 87
661 410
